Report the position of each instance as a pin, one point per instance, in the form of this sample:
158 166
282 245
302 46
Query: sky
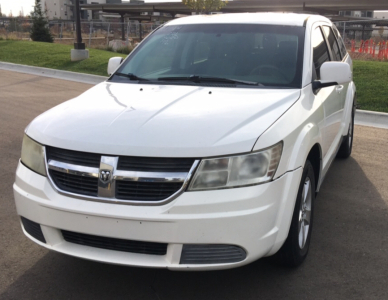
16 5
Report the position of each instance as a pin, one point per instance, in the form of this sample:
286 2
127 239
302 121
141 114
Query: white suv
203 150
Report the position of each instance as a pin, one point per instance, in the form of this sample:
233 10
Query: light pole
78 44
67 14
79 52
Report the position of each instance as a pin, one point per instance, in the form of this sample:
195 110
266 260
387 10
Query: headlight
227 172
33 156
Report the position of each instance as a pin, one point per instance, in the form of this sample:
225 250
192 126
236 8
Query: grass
54 56
371 77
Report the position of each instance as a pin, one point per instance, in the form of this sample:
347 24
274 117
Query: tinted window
332 43
267 54
340 42
320 52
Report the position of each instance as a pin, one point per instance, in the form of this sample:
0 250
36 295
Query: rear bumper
255 218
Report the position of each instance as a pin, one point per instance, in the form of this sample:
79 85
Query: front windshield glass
260 55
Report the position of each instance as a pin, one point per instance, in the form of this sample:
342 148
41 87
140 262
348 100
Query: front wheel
296 246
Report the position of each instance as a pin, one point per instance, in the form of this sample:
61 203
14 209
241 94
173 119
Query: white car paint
179 121
115 118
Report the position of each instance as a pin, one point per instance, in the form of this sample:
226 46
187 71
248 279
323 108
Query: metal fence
100 33
94 33
350 32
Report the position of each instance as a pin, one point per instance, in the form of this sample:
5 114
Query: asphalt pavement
348 257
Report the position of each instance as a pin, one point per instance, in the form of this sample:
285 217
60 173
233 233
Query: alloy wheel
305 213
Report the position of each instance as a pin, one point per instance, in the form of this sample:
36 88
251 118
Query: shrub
124 50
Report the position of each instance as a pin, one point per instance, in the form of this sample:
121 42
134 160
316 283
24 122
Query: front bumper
255 218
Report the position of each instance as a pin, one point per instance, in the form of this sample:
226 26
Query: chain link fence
109 34
353 32
95 34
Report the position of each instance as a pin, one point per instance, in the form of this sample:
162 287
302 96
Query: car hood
162 120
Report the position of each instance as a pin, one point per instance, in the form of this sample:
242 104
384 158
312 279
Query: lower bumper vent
115 244
33 229
211 254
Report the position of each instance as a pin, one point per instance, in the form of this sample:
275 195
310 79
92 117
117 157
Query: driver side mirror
333 73
113 64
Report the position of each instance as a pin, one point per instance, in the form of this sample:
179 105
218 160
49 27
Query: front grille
115 244
78 175
75 183
145 191
33 229
155 164
211 254
73 157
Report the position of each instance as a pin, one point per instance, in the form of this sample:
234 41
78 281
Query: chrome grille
124 179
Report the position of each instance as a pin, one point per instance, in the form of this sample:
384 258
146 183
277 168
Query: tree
40 30
204 6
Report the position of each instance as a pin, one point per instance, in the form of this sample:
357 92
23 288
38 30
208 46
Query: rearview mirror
333 73
113 64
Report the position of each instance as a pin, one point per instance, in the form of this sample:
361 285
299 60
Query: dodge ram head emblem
105 176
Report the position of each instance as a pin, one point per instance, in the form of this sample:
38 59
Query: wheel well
315 158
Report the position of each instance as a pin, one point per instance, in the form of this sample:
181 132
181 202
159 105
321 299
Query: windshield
258 55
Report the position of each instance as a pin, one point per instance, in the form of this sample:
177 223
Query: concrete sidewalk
52 73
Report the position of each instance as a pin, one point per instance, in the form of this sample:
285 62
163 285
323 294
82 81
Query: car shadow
348 259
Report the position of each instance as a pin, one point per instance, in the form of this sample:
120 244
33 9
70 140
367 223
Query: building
357 13
353 29
382 14
64 9
59 9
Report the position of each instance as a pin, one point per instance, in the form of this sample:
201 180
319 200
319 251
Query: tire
347 143
296 247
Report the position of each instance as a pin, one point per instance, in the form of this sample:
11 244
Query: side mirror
113 64
333 73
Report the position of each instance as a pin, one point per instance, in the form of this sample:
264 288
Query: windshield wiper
131 76
199 79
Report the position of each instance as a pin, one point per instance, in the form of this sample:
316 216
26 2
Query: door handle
339 88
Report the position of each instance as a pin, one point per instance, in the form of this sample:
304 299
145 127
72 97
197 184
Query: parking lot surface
348 256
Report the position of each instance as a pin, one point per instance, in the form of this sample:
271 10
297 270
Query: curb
52 73
371 118
363 117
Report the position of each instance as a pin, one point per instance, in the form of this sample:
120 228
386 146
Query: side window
332 43
341 43
320 52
